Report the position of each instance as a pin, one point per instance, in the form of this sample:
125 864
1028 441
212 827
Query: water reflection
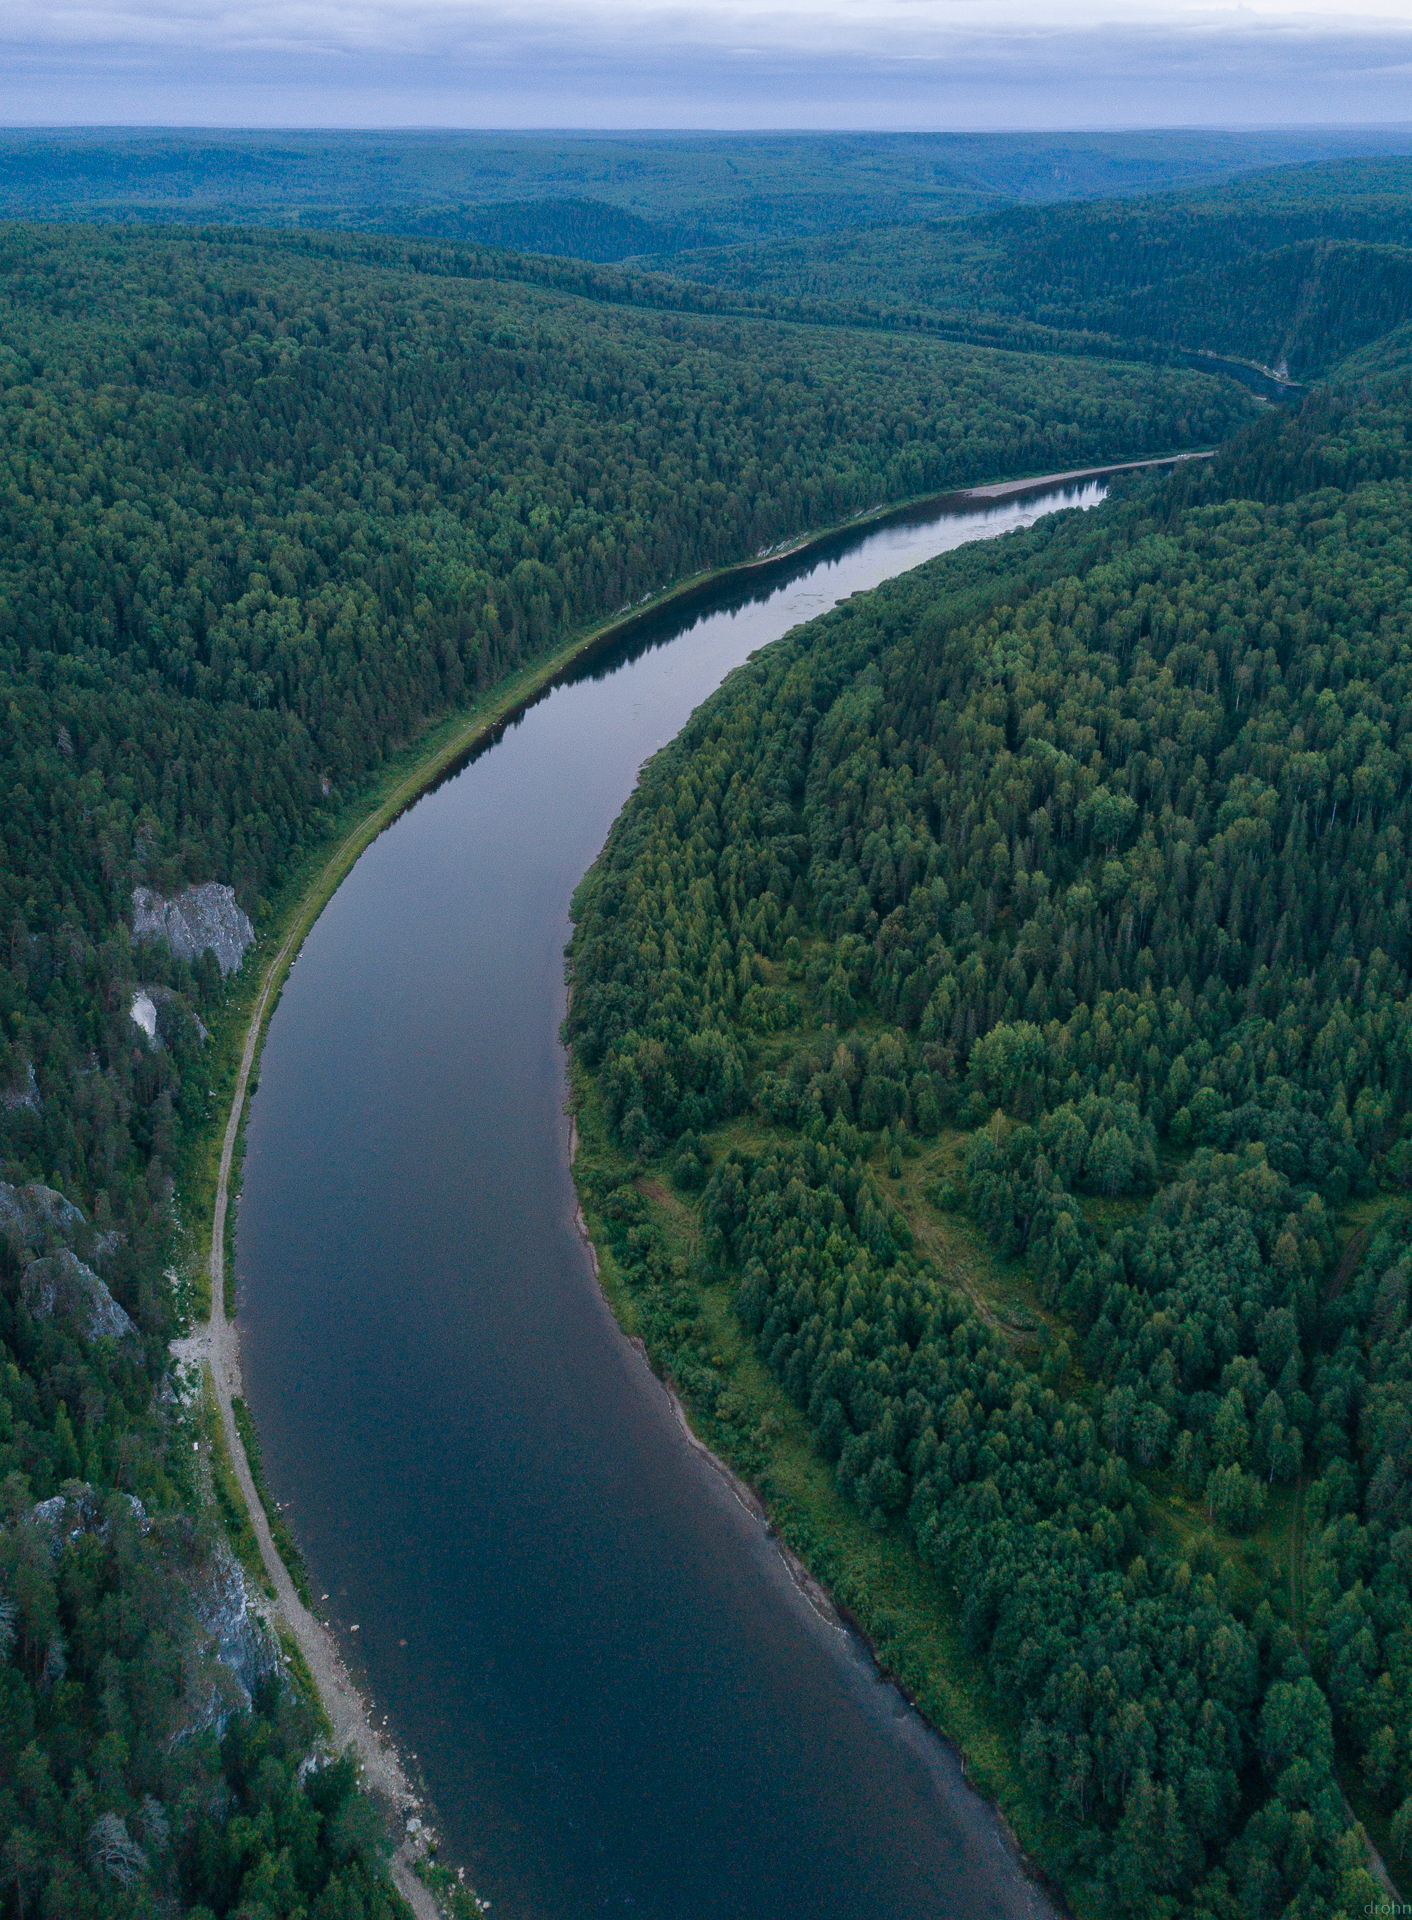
620 1701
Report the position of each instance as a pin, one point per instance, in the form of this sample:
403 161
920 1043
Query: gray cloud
930 66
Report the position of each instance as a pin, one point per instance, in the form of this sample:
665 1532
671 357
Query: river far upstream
591 1651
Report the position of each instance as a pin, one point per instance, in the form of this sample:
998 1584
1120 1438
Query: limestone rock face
62 1284
157 1011
193 920
243 1641
36 1220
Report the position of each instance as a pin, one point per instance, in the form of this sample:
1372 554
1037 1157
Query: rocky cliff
194 920
61 1284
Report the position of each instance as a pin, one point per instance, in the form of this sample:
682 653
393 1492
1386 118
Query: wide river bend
618 1699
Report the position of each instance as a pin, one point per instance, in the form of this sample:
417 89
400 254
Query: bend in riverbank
440 752
445 746
448 743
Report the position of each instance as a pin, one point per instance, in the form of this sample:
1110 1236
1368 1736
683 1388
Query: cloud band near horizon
924 66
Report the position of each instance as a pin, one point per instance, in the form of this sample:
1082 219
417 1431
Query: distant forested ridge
607 196
268 506
1046 916
1298 267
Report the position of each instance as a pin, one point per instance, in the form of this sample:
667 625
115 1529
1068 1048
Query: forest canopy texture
1291 269
268 506
1078 866
604 197
1074 869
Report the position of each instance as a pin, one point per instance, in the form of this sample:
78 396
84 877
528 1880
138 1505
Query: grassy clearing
1002 1291
1253 1566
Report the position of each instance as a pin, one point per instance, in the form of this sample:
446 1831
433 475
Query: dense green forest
1056 896
607 196
1300 266
270 505
1009 972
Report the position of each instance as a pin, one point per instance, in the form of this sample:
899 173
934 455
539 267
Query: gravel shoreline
216 1346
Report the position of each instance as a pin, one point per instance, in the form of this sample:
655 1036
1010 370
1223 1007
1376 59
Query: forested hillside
1297 267
607 196
1018 958
269 506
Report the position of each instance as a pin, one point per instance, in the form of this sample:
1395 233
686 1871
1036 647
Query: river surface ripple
618 1699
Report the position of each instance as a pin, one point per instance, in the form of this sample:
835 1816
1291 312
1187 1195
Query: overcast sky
703 63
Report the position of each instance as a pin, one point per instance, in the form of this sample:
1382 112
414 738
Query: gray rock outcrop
36 1220
62 1284
24 1094
65 1517
158 1014
31 1216
194 920
243 1642
240 1652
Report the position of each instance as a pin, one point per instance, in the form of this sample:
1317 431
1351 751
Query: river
617 1698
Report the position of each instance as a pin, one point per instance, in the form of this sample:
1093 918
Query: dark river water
618 1700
